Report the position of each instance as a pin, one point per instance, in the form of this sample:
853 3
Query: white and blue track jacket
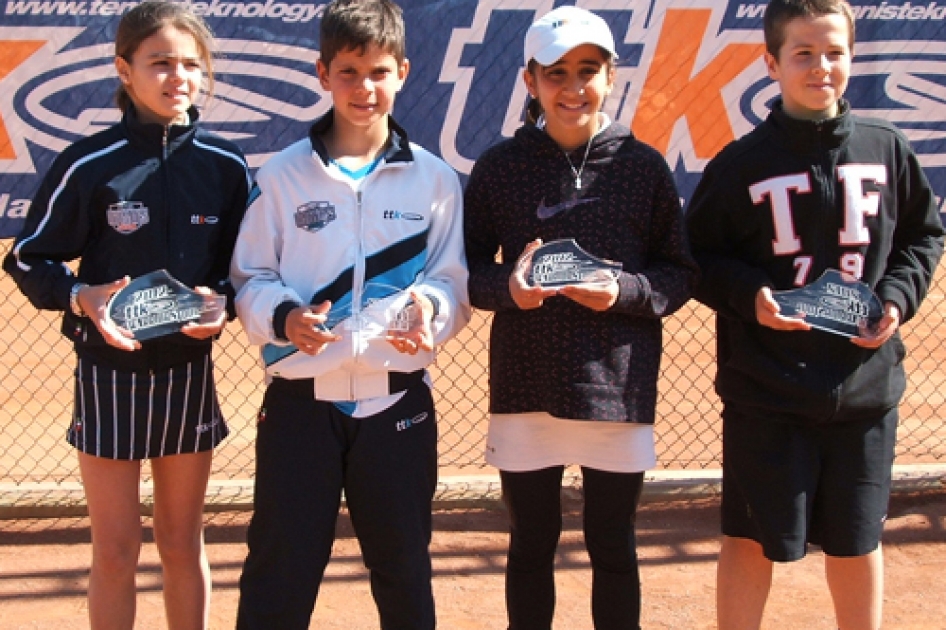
310 236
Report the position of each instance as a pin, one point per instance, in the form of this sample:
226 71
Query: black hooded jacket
564 358
776 209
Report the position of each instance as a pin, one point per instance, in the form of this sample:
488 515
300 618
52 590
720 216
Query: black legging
535 521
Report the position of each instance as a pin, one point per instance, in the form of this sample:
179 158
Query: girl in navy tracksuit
154 191
573 374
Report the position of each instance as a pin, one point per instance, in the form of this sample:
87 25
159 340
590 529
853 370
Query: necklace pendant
577 171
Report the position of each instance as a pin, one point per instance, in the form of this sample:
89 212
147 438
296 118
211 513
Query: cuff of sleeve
226 289
279 319
435 302
745 303
629 291
63 290
889 294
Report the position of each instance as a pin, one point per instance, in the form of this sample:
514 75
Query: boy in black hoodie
809 418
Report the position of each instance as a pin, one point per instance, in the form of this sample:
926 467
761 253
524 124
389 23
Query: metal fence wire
37 395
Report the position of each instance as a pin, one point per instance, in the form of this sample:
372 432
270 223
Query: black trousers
533 500
307 452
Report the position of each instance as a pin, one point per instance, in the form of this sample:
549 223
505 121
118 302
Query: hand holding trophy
570 271
410 329
157 304
402 317
835 303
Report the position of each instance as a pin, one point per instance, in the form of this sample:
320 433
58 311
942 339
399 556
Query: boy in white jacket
347 228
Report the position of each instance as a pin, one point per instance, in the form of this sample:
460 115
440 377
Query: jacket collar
150 136
606 142
398 151
805 136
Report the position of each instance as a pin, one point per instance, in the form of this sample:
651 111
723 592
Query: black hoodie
564 358
856 200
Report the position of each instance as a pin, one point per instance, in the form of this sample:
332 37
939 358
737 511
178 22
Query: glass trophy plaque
388 310
157 304
384 310
835 303
564 262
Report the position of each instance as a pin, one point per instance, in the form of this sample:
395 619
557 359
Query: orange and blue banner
690 77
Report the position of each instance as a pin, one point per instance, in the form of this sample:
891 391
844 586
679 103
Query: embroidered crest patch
315 215
126 217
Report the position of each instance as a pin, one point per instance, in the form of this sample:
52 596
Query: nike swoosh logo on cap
547 212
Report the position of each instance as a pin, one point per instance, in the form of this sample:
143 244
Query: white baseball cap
562 29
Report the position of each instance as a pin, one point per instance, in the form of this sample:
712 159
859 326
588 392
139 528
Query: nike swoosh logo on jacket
547 212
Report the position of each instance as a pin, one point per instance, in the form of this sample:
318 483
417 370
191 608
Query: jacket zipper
167 191
358 282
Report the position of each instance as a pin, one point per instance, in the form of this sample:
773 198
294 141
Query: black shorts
786 485
140 415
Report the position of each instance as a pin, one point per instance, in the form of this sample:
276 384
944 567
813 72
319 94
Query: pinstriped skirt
140 415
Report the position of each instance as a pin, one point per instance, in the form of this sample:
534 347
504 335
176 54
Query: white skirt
531 441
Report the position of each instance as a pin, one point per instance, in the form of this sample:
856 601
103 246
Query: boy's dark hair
778 13
148 18
356 24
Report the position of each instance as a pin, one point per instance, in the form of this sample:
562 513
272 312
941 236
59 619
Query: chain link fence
37 391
